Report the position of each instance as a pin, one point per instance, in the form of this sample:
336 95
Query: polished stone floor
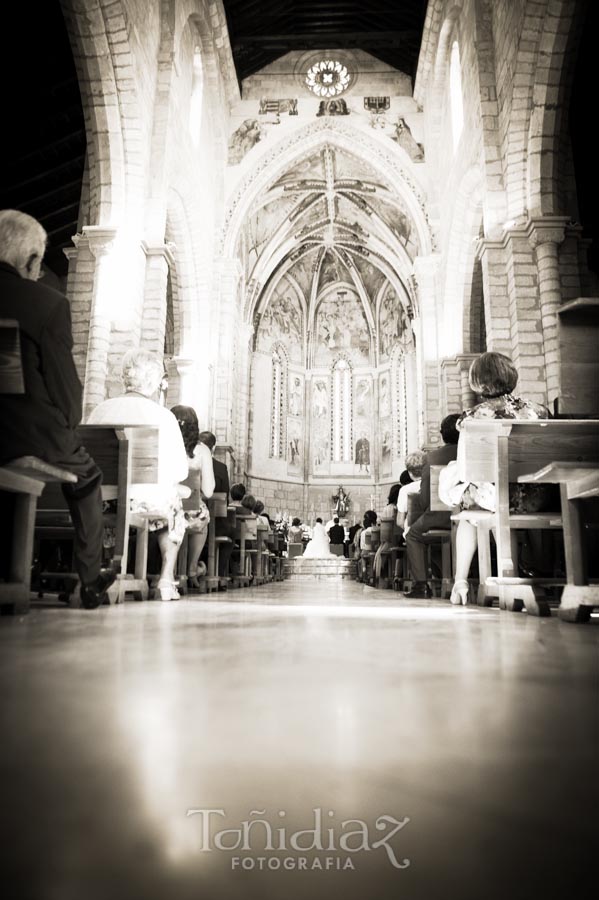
475 731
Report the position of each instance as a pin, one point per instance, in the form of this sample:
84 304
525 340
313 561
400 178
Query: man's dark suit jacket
337 534
221 477
42 421
439 457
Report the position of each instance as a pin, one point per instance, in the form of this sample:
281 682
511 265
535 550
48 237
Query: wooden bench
26 478
126 455
500 451
578 482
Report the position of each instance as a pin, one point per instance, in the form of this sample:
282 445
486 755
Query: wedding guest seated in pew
42 422
141 374
223 528
494 377
414 465
200 479
415 536
295 533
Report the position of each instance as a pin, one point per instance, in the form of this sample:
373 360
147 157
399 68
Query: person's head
188 423
393 494
319 521
336 520
206 437
22 243
449 432
249 501
296 522
237 492
258 508
369 518
415 464
405 478
493 375
142 372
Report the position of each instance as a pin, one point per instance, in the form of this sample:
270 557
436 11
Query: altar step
304 569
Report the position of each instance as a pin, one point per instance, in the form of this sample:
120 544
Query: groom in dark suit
43 421
336 532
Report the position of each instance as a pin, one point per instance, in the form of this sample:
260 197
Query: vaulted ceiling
330 219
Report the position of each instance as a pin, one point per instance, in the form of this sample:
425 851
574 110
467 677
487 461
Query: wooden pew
26 478
442 536
578 482
501 450
127 455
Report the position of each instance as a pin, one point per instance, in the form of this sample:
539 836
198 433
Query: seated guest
222 528
260 514
416 535
295 533
404 478
493 376
369 520
141 373
390 511
43 420
248 502
237 495
414 466
200 478
221 473
337 532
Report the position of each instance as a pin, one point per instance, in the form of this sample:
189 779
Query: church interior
317 216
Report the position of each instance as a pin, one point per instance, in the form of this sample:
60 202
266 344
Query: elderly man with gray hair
142 373
43 421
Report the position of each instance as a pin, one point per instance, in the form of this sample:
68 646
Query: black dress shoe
419 591
94 594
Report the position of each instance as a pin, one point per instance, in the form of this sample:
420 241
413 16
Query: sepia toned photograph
299 450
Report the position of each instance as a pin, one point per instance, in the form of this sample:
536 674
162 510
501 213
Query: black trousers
416 541
84 500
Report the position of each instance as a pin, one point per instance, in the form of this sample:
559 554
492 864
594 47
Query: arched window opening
197 97
342 412
455 94
277 430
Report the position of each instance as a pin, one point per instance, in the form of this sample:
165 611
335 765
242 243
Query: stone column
425 331
545 235
228 274
100 242
159 258
468 398
241 398
492 255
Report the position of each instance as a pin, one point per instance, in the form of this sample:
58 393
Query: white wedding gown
318 547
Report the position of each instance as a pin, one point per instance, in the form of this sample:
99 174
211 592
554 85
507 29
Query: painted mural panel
394 325
384 395
281 321
363 410
386 432
295 450
320 427
341 327
296 395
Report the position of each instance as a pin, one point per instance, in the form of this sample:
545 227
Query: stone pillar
425 331
159 258
492 255
451 382
80 286
228 274
242 395
545 235
468 398
100 242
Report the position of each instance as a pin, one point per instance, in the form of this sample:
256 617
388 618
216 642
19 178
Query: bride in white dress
318 547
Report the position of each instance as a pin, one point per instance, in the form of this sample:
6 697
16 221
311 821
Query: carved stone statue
404 138
341 502
243 139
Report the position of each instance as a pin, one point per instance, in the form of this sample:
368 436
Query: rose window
327 78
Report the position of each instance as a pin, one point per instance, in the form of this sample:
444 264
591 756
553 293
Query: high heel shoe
459 593
168 590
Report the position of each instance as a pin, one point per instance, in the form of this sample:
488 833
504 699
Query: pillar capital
546 230
162 251
100 238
